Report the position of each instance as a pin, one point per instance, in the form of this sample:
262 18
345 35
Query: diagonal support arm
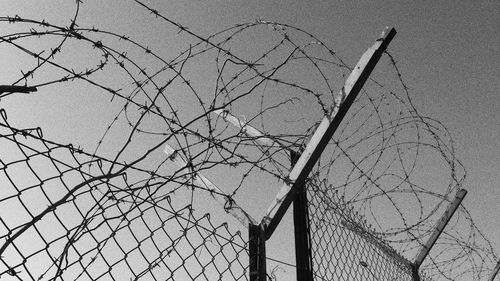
443 221
247 129
325 130
229 205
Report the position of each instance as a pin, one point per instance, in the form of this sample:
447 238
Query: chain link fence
344 247
119 209
65 218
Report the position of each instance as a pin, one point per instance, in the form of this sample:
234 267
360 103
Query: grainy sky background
448 52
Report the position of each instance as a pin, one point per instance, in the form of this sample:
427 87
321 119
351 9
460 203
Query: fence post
257 252
414 273
325 131
303 256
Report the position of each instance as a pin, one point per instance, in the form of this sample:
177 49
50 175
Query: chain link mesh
65 218
68 214
343 247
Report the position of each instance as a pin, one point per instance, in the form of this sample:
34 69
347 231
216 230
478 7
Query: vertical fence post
257 252
303 257
414 273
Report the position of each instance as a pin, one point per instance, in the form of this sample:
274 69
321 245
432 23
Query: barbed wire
125 210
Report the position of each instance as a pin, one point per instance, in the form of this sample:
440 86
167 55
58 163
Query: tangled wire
120 208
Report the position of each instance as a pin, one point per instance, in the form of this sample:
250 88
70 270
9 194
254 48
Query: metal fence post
303 256
257 252
414 274
325 130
